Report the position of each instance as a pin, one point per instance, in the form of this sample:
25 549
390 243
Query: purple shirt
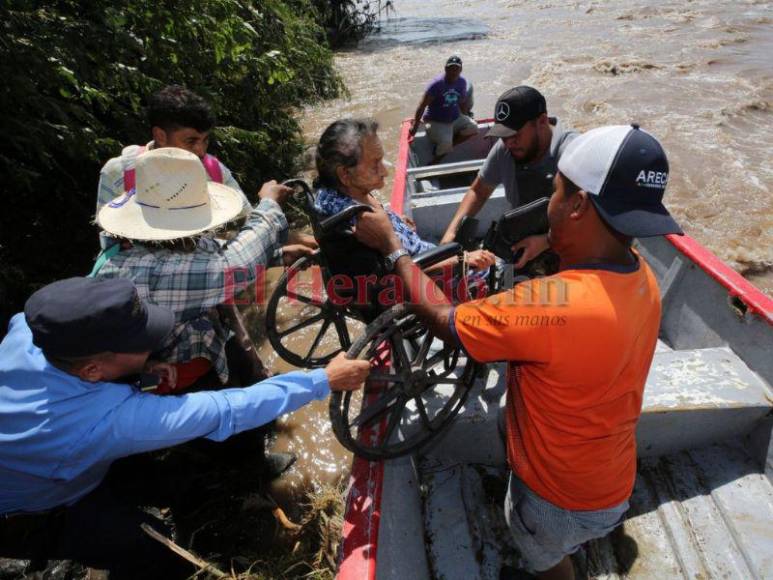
444 108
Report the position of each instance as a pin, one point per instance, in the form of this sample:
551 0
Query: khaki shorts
442 134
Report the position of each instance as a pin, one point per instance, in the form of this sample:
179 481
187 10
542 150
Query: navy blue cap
85 316
625 171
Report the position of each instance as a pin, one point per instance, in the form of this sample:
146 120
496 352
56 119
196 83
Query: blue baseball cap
85 316
624 170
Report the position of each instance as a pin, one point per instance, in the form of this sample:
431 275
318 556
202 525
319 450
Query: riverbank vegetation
76 76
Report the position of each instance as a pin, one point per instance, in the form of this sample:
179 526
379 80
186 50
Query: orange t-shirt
579 344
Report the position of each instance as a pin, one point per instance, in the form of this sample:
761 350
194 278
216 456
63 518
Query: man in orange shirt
579 344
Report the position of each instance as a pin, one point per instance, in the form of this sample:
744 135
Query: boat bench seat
692 398
697 397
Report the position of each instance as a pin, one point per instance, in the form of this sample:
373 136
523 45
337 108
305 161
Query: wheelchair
418 383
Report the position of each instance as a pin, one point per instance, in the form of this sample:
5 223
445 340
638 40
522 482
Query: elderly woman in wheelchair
350 167
322 304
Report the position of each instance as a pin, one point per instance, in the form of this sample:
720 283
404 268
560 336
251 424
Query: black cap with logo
453 61
84 316
514 109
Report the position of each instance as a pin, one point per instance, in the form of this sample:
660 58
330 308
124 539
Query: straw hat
172 199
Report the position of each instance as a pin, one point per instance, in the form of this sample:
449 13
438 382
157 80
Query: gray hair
341 146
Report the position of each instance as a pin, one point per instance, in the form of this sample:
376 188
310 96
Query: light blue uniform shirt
59 434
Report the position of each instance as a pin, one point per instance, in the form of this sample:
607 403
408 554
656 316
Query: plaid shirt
192 284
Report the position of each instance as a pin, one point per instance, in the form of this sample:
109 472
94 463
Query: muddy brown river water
697 74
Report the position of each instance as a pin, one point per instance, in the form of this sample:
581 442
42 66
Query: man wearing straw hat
180 118
176 262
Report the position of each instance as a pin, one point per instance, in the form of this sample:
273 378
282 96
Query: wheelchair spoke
318 339
422 351
423 413
376 409
342 331
441 355
305 299
302 324
443 380
400 354
394 419
450 358
384 377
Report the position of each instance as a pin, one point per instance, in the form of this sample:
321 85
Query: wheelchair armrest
436 255
328 224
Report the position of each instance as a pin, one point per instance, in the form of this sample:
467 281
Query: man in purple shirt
444 109
68 410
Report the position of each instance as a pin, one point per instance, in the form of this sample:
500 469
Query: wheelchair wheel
416 387
303 326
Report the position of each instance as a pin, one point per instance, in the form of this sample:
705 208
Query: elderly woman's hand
480 259
374 229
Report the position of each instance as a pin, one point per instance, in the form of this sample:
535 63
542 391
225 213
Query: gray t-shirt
526 182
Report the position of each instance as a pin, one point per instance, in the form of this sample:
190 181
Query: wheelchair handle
298 183
302 193
328 224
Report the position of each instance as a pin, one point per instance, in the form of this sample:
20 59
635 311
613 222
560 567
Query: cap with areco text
624 170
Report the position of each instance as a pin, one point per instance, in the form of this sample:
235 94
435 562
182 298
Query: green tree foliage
76 76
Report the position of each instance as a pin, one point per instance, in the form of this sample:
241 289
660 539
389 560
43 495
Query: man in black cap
524 159
445 109
71 403
578 357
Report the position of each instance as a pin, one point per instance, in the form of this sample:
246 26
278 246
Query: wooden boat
703 500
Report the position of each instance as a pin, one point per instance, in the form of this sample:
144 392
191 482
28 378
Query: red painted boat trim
397 201
359 546
735 284
361 521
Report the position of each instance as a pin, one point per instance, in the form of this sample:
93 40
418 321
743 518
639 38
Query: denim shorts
545 533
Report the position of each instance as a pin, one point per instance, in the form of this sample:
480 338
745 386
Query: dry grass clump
309 551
